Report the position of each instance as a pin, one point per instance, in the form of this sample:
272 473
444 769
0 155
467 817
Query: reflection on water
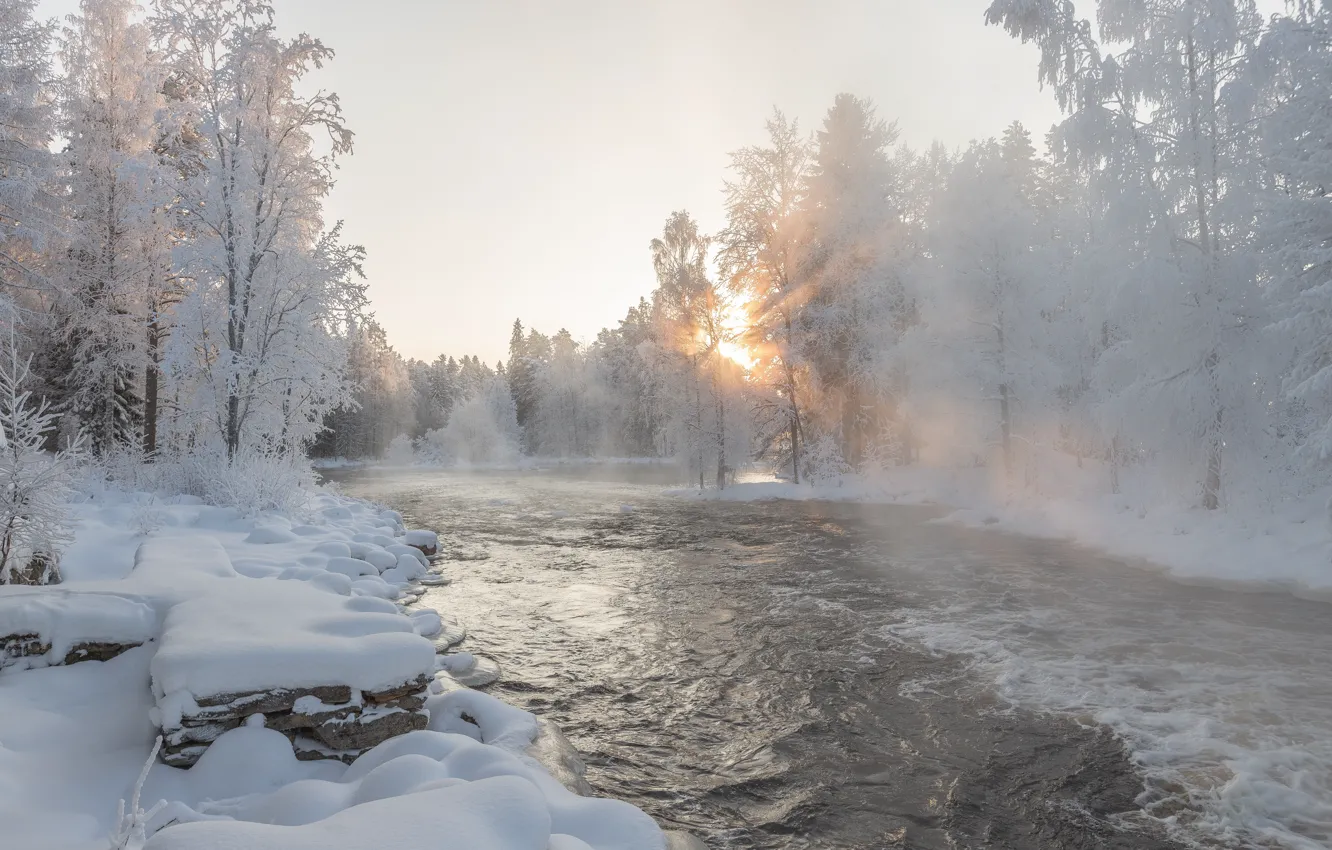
830 675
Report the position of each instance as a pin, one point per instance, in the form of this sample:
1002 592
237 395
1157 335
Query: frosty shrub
400 452
823 460
483 430
127 469
254 480
35 485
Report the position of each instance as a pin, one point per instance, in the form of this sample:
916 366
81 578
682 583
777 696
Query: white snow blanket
63 619
259 634
450 792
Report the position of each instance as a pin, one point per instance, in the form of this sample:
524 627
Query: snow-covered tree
682 303
269 290
481 430
759 258
35 485
986 317
117 190
1297 230
856 255
1160 116
27 125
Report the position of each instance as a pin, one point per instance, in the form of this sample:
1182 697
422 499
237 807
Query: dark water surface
801 674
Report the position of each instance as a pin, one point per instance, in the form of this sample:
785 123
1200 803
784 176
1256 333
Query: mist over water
789 675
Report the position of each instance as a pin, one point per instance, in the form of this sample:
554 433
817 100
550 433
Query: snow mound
258 634
501 813
423 789
266 535
426 541
61 621
468 670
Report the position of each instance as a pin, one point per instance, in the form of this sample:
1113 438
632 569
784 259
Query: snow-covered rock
350 671
51 625
426 541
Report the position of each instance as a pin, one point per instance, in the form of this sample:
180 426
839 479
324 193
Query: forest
1144 289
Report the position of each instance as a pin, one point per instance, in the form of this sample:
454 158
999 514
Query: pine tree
854 255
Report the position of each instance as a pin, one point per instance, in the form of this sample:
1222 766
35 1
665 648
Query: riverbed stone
393 694
361 732
97 651
14 647
265 702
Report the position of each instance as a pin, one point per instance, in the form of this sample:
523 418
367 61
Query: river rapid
831 675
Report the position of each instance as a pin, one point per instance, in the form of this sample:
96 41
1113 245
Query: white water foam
1232 734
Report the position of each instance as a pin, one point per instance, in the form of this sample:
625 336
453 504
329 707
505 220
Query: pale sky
515 157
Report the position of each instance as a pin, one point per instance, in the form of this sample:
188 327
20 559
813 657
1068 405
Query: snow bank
499 813
68 626
498 800
258 634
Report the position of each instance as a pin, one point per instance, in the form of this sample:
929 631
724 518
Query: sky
514 158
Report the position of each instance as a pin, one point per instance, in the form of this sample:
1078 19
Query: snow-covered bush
254 480
823 461
482 430
132 824
400 451
35 485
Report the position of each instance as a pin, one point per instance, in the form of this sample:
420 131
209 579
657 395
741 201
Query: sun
736 353
735 323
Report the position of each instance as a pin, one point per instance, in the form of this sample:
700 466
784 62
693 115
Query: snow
228 604
215 644
499 812
428 539
62 619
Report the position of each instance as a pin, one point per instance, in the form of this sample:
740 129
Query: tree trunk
150 390
233 424
698 421
721 428
795 445
1114 465
1212 485
791 394
1005 406
851 427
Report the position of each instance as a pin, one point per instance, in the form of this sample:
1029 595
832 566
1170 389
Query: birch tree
264 277
680 257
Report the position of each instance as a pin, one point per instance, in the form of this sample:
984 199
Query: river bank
263 605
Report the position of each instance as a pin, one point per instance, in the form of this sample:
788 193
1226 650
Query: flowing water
801 674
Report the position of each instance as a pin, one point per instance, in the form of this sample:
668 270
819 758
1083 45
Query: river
831 675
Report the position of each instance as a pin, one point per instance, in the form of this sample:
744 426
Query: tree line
1148 296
